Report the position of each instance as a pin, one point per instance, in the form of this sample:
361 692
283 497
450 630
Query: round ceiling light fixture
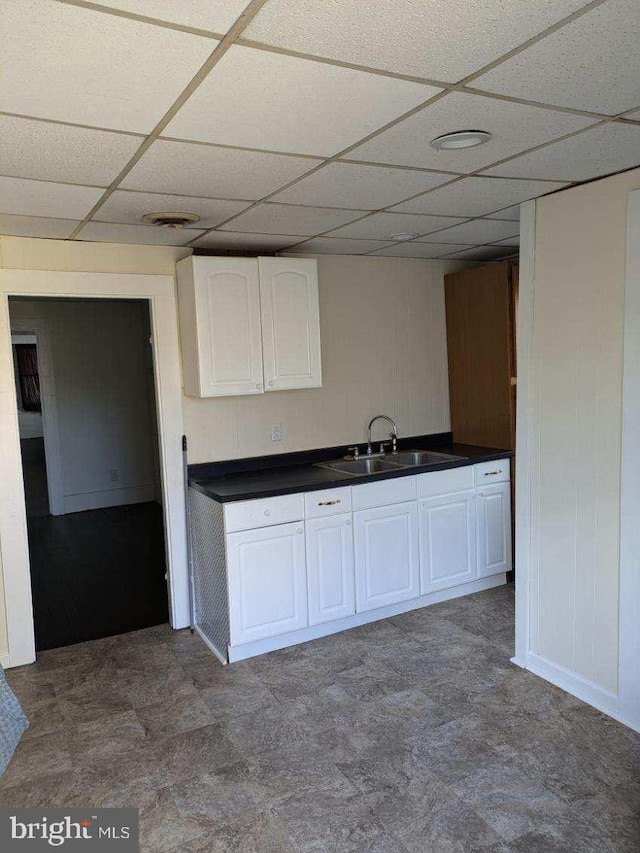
171 219
460 139
403 235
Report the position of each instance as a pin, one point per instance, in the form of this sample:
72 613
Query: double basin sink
382 465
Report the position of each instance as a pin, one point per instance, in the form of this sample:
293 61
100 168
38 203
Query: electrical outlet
114 475
276 432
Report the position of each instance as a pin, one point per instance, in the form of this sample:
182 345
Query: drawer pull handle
267 512
492 473
330 503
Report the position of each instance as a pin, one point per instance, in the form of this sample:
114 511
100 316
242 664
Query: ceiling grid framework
304 125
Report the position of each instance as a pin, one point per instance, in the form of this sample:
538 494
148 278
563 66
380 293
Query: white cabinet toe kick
273 572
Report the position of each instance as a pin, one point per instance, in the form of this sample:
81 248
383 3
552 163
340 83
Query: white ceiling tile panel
150 235
330 246
476 231
214 15
591 64
36 226
483 253
74 64
129 207
608 148
380 226
362 187
415 249
512 213
203 170
45 199
238 241
514 128
430 38
476 196
58 152
256 99
511 241
290 219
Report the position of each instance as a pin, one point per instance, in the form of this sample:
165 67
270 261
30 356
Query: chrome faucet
393 435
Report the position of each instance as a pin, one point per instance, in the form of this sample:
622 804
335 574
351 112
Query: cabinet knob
299 530
271 383
259 386
267 512
348 522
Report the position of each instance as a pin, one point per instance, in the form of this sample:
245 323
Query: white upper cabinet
248 325
290 323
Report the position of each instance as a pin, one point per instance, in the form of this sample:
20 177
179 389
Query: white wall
576 381
382 326
99 366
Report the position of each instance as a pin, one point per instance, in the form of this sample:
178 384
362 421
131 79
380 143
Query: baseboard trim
314 632
5 661
579 687
109 497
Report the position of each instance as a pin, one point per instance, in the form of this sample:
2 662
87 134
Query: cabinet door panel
267 582
228 322
447 541
330 578
387 557
290 323
494 530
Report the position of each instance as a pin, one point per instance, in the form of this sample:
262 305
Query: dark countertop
220 482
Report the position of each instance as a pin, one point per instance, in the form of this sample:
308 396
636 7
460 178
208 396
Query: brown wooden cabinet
481 307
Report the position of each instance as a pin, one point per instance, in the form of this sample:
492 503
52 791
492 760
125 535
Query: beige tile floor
411 735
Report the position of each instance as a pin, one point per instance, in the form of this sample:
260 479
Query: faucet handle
384 444
356 451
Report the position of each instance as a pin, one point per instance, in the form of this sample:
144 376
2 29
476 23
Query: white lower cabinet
330 578
387 557
447 541
494 529
267 582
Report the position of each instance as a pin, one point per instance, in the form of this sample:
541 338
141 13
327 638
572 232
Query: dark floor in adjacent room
97 573
410 735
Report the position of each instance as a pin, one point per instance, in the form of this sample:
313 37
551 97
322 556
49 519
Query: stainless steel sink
360 467
423 457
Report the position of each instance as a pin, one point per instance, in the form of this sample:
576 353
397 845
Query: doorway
85 394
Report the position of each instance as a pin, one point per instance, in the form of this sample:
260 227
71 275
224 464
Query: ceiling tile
129 207
58 152
414 249
36 226
476 196
331 246
91 68
592 63
380 226
257 99
483 253
514 128
477 231
290 219
608 148
512 213
203 170
362 187
511 241
108 232
431 38
44 199
214 15
238 241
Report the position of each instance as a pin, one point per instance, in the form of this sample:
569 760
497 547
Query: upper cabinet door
290 323
220 326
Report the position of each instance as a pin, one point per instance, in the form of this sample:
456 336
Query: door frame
40 329
159 290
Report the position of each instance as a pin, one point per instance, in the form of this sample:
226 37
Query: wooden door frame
159 290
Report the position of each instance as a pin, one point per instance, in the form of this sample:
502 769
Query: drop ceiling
304 125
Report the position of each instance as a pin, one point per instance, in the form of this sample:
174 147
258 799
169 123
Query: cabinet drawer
327 502
384 493
445 482
498 471
248 515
